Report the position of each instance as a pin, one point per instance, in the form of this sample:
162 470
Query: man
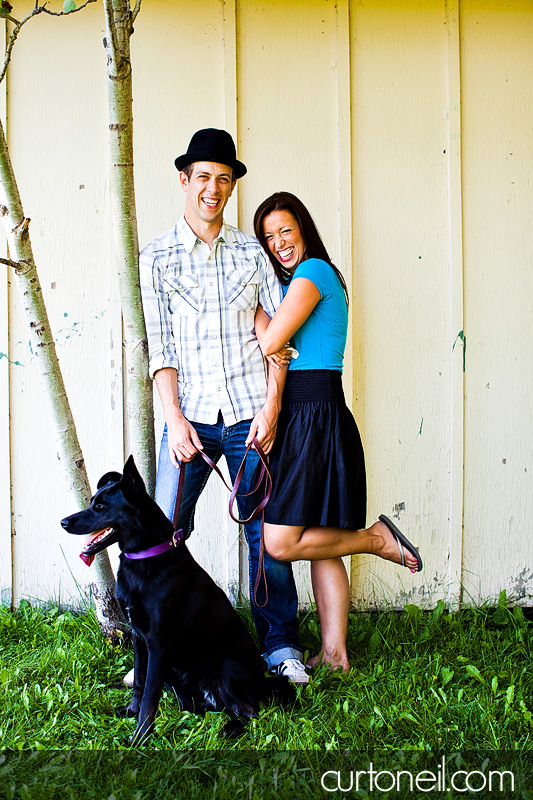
201 283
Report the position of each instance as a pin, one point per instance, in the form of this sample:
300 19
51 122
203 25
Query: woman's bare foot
332 658
386 546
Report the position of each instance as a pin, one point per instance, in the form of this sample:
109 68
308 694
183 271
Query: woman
318 506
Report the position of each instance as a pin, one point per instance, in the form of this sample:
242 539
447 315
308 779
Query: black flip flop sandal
402 541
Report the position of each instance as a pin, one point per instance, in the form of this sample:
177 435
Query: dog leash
259 510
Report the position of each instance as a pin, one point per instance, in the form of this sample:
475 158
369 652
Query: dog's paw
233 728
129 711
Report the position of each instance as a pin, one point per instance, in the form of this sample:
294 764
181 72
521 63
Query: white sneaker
128 679
293 669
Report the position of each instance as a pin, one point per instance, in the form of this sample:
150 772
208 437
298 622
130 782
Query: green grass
422 682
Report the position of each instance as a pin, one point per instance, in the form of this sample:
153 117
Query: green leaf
509 696
475 673
375 641
409 716
501 616
502 599
68 6
446 675
439 609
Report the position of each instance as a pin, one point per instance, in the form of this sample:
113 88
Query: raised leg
295 543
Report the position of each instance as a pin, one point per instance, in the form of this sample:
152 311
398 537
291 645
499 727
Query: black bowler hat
211 144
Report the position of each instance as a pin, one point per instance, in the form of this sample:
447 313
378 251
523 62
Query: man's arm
183 441
157 314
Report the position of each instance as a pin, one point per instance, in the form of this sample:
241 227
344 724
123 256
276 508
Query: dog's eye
99 507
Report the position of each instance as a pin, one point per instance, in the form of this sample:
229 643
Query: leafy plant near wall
139 414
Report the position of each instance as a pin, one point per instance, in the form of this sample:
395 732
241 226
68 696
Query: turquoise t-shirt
321 339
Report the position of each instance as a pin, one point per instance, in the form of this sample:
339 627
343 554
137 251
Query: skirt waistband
313 385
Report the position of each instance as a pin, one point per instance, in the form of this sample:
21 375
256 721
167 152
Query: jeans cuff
277 656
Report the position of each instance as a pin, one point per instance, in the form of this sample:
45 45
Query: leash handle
265 476
177 504
258 511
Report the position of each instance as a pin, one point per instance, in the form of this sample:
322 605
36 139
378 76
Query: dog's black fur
187 635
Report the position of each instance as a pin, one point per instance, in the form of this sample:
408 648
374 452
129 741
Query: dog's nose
64 523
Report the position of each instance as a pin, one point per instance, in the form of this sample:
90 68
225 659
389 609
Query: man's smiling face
208 190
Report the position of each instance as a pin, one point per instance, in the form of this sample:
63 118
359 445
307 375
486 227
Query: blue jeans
276 623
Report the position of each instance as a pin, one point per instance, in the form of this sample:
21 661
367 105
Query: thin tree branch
9 263
37 9
135 11
65 13
13 38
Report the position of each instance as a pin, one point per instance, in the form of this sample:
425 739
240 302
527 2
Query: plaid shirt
199 306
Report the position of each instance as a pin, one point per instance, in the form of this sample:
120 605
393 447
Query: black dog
187 635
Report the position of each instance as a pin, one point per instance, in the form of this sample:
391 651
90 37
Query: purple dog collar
177 536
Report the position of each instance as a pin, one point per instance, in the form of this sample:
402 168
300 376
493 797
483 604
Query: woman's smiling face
284 238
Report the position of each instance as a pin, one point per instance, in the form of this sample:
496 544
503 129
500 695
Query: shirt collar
226 235
190 239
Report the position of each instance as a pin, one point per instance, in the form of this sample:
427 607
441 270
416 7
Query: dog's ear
109 477
131 480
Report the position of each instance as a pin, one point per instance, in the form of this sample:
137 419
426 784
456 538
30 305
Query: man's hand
281 358
183 441
264 426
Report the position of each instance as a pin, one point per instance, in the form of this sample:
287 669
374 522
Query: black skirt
317 461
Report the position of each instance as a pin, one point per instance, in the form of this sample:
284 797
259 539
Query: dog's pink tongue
85 557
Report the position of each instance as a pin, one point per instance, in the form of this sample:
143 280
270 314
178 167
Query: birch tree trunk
138 386
69 452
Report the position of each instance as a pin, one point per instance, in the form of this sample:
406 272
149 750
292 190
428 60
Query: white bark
138 386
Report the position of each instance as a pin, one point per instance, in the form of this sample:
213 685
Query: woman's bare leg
332 595
296 543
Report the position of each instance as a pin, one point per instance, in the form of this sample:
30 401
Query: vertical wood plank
344 212
229 33
457 333
497 114
6 581
235 539
401 286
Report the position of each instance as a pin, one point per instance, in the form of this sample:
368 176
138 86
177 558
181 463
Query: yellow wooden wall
406 128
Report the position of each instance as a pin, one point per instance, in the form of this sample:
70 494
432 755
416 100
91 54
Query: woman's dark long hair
314 246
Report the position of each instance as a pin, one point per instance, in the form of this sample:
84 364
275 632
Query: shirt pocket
242 289
182 293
